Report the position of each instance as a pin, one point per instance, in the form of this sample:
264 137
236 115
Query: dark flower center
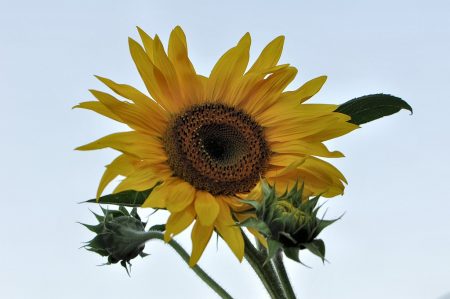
217 148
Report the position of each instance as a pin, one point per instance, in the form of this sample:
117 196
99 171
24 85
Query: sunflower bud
288 221
120 236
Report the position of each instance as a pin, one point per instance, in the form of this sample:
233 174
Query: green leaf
371 107
129 198
316 247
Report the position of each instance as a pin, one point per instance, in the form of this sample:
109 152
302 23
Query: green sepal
316 247
310 205
97 242
256 224
143 254
322 224
99 218
277 225
255 204
93 228
126 265
266 188
110 214
371 107
288 236
135 214
158 227
129 198
99 251
124 211
273 247
292 253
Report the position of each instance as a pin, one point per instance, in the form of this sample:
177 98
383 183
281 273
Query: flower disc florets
217 148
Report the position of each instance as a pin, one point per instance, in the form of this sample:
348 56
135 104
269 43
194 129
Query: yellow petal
178 222
207 207
284 111
152 77
140 99
321 165
339 129
157 198
250 82
165 66
306 91
122 165
300 130
129 113
191 87
234 203
291 163
320 177
181 196
99 108
140 180
200 237
255 193
261 239
147 41
285 159
134 143
267 93
269 56
228 70
228 230
299 147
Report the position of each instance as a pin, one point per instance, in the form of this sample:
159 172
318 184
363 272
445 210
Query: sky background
394 240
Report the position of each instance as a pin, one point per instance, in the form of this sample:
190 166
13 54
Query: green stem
282 274
149 235
265 271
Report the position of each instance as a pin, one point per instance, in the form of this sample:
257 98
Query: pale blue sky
394 241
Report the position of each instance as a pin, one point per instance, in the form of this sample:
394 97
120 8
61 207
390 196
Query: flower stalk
265 270
283 276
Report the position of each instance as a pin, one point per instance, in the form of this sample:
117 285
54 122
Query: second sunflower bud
288 221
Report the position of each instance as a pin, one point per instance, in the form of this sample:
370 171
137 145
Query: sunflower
205 142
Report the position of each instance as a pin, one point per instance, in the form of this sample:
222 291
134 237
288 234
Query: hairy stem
265 271
282 274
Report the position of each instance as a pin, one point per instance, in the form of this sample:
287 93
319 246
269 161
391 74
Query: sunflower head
203 142
118 236
288 221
